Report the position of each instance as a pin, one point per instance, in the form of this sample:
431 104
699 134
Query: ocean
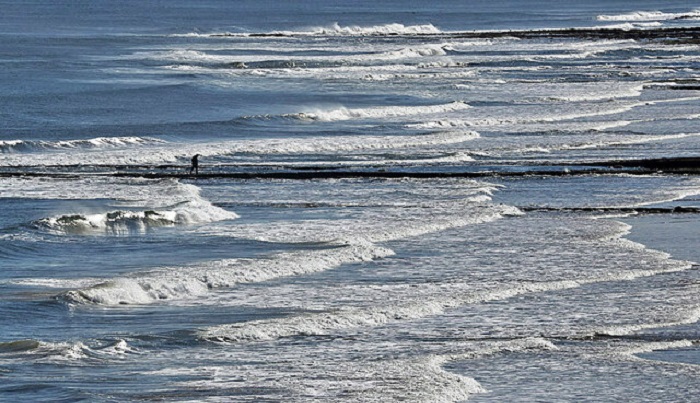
436 201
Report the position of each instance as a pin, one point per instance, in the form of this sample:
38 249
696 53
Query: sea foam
10 146
345 242
151 203
380 112
650 16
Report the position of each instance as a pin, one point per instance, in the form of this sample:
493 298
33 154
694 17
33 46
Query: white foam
495 117
423 306
135 192
73 351
594 92
421 51
388 29
189 282
116 222
679 318
650 16
426 300
394 194
351 371
173 152
128 222
152 203
376 225
380 112
334 29
55 282
348 241
629 26
628 351
9 146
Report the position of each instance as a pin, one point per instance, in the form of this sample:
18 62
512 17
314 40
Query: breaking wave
116 222
148 203
378 112
15 146
422 51
195 281
336 29
344 244
126 222
51 352
387 29
172 152
651 16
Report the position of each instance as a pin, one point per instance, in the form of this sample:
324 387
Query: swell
334 30
650 16
345 243
148 204
116 222
176 283
342 113
126 222
63 352
430 31
18 146
352 58
173 152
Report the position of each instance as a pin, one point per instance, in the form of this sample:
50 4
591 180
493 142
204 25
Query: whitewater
438 202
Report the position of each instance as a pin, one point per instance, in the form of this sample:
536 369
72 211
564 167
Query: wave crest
126 222
335 29
13 146
342 113
387 29
650 16
115 222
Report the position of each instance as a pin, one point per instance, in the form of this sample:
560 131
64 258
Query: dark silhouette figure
195 165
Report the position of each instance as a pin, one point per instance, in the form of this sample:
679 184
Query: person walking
195 165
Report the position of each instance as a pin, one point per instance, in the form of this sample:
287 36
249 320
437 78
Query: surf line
625 210
306 175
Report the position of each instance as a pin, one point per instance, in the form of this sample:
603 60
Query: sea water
122 278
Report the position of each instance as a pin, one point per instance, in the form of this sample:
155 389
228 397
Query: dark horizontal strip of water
674 33
678 165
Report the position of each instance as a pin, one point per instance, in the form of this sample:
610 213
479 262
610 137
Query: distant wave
387 29
336 29
342 113
421 51
173 152
10 146
630 26
650 16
